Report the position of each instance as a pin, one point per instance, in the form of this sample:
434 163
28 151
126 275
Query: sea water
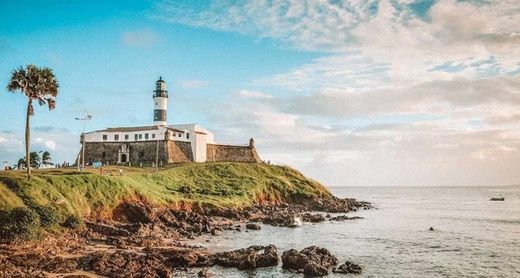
472 237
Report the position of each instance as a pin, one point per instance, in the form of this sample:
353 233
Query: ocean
473 236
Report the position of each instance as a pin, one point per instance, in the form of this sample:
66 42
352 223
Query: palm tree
21 162
35 160
38 84
46 158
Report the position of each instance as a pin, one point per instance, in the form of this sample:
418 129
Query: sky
351 93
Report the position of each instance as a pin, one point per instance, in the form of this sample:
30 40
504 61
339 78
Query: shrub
19 224
73 222
48 215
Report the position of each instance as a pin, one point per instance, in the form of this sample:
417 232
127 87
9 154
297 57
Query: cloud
193 84
398 96
142 38
253 94
49 129
439 97
60 142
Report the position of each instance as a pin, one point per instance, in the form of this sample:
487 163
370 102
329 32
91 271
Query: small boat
497 199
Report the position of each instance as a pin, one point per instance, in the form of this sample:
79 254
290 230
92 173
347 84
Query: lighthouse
160 100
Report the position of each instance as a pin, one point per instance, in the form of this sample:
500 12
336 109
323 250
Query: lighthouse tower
160 100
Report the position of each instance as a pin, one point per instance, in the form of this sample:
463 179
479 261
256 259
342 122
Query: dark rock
347 268
133 213
216 232
233 258
248 261
314 269
248 258
107 230
253 226
297 260
314 218
431 229
344 217
204 273
268 258
281 219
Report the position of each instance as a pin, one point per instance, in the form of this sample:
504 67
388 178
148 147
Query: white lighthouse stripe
160 103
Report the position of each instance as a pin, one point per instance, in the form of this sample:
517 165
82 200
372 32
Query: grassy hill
91 195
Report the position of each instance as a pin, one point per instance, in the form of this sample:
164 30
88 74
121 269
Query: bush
19 224
72 222
48 215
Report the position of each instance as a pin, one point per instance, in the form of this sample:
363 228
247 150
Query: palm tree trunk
28 140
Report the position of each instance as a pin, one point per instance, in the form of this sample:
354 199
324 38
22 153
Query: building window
135 137
116 137
140 136
103 155
105 137
146 136
153 135
127 136
187 136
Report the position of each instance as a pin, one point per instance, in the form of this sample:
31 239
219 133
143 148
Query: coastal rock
235 257
281 219
314 269
268 258
153 263
216 232
348 268
107 230
248 261
248 258
132 212
344 218
204 273
122 263
312 258
338 205
253 226
313 218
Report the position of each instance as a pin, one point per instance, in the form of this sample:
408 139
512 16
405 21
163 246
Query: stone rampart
231 153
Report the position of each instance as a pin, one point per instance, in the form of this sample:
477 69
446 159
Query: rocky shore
145 241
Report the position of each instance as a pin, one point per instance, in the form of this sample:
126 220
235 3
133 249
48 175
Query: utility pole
157 157
83 142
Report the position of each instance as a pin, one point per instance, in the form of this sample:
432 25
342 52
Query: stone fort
160 142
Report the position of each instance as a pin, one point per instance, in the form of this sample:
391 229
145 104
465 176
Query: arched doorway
123 158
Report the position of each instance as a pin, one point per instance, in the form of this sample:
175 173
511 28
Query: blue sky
390 92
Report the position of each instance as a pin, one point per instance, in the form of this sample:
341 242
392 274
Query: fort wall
170 151
179 151
137 152
232 153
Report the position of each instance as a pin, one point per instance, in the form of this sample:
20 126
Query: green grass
91 195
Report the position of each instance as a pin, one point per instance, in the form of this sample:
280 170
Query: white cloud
193 84
253 94
50 144
398 98
141 38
